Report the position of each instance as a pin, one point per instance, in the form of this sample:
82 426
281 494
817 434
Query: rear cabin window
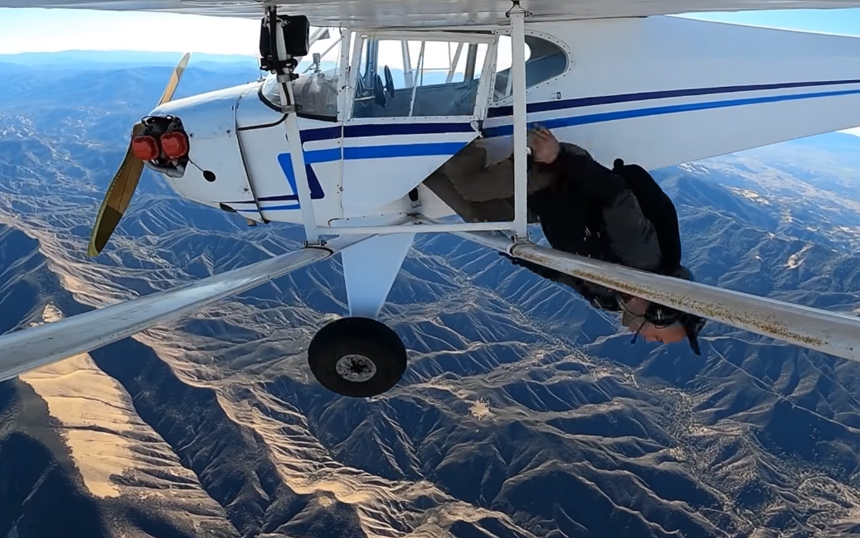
544 60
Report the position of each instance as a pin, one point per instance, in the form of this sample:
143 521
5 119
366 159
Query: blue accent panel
504 130
334 154
390 129
281 207
547 106
287 166
271 208
282 198
403 150
383 129
325 133
322 156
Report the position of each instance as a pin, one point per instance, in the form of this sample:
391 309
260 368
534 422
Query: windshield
316 88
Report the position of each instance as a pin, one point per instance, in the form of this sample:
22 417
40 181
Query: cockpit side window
544 60
418 77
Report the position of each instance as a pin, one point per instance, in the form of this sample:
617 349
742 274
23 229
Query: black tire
361 348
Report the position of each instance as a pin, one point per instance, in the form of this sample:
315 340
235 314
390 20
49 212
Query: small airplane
357 113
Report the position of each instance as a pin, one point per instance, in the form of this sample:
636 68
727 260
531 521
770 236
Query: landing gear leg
355 356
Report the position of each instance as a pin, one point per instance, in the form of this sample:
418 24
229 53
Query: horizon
67 30
126 51
230 38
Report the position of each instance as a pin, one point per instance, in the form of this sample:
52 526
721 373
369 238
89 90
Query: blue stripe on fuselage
402 150
387 151
601 117
350 154
548 106
371 130
394 129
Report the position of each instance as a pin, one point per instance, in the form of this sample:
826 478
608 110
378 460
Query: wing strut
31 348
279 48
812 328
518 71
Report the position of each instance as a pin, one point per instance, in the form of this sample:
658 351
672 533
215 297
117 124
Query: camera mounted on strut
283 38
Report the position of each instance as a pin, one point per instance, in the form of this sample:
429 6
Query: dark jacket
619 216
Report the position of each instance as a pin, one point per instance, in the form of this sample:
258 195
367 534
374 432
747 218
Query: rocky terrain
523 413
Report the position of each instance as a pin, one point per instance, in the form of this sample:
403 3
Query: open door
414 100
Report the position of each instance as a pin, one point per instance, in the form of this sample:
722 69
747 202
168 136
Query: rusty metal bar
812 328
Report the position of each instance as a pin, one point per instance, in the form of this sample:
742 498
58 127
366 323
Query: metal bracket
517 8
415 202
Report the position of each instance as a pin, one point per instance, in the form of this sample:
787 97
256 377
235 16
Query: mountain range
523 412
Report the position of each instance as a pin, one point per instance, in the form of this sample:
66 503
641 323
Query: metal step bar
811 328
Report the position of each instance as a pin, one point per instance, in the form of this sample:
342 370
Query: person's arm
476 182
632 237
584 173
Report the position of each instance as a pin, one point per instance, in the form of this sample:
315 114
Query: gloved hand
544 146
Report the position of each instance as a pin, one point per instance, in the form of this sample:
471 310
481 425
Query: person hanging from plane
619 216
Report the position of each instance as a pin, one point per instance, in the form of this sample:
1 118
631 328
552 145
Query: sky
51 30
42 30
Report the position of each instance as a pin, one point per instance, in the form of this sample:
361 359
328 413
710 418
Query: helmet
665 316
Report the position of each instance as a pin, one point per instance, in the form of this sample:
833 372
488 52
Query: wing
420 13
827 332
37 346
662 91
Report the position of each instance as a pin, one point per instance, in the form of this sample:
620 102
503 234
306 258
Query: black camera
293 32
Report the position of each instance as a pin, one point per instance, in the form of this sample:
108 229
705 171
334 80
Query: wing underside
33 347
420 13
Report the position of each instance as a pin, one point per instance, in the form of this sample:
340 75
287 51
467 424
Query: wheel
357 357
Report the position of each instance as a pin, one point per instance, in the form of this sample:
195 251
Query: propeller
125 181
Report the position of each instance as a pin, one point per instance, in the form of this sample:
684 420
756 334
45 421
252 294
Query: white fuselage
654 91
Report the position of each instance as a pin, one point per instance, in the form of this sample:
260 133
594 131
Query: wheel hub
355 368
